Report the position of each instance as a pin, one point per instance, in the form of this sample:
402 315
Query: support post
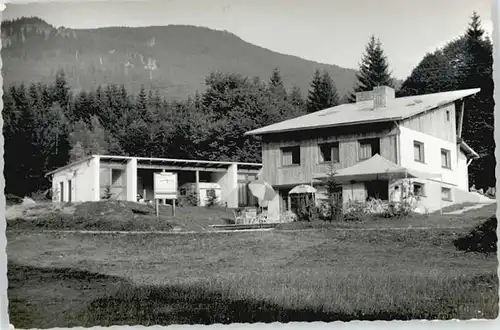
131 180
173 207
157 207
164 201
95 163
197 187
461 119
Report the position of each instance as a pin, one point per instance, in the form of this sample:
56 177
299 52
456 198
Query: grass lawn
63 280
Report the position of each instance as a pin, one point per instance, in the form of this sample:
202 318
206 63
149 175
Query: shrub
323 211
481 239
355 211
107 193
192 198
361 211
288 216
188 198
306 210
211 198
13 199
41 195
396 210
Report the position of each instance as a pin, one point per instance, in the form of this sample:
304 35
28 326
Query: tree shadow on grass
49 297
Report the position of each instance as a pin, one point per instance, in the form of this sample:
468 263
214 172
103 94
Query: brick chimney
382 96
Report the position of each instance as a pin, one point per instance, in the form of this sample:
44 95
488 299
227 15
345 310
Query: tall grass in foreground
319 275
301 297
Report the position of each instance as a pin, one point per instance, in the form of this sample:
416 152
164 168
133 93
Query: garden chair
263 216
250 215
239 216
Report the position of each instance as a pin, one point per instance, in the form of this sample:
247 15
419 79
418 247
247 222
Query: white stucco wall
462 170
456 178
83 176
431 200
273 208
228 182
432 155
131 182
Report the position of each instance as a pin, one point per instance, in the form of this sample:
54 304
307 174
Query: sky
327 31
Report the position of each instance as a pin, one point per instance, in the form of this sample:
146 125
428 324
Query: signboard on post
165 187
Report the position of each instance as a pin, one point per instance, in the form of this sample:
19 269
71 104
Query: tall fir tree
22 162
330 96
278 102
61 91
323 93
297 101
478 130
276 85
373 69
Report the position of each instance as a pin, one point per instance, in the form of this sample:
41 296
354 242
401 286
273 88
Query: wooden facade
442 122
348 139
439 122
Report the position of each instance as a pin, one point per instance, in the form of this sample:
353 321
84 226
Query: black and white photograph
195 162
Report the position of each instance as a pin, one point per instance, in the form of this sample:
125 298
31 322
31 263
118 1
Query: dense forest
46 125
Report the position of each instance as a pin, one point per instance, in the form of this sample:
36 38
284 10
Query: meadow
322 274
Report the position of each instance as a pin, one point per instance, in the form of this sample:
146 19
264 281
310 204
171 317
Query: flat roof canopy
171 164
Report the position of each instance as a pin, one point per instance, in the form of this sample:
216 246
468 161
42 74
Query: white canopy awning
376 168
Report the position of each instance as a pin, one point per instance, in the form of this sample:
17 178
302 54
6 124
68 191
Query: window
291 156
445 159
117 177
69 191
445 194
418 189
329 152
368 148
447 115
418 150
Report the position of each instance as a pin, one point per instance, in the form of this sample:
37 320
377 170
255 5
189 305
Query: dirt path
97 232
465 209
108 232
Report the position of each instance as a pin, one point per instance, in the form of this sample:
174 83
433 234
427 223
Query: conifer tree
464 63
61 90
297 101
323 93
276 85
478 118
373 69
330 96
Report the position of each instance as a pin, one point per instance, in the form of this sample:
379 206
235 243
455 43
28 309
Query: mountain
173 59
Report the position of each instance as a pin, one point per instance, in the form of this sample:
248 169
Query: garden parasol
303 189
262 190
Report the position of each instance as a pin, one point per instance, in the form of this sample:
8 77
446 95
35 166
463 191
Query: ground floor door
69 191
284 200
377 189
61 192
